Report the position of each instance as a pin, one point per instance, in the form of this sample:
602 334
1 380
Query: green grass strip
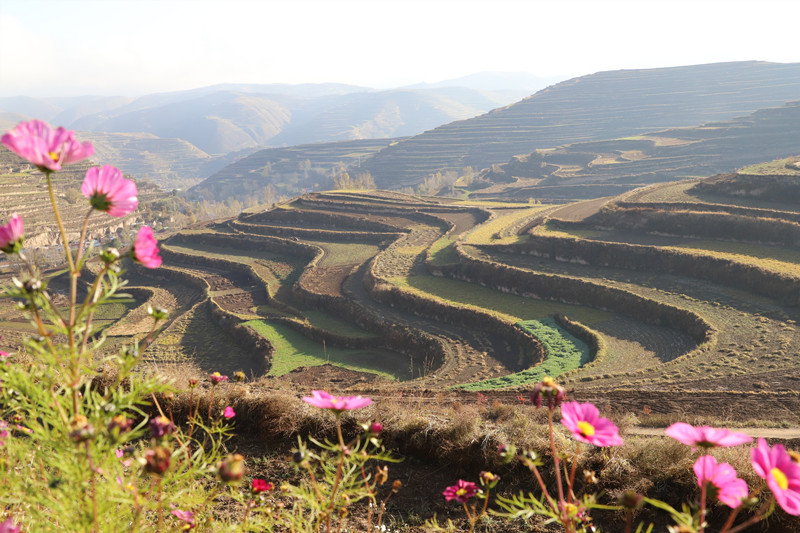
293 350
326 322
514 307
565 352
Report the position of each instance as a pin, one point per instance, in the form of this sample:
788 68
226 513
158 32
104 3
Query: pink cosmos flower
145 249
782 474
108 191
120 455
728 488
185 516
12 235
583 420
462 491
320 398
9 527
229 412
260 485
45 147
705 436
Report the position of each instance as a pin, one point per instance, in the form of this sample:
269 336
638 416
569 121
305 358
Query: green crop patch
442 252
565 352
773 258
782 167
518 307
293 350
327 322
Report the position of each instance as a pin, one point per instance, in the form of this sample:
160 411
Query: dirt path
580 210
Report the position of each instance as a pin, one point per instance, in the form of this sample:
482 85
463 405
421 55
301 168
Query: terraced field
388 292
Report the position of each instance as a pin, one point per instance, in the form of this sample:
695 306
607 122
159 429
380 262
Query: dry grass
449 436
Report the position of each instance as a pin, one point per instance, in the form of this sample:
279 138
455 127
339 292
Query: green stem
758 516
544 488
63 232
339 468
93 294
84 227
557 462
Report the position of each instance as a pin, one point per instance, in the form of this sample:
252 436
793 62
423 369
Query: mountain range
178 139
222 119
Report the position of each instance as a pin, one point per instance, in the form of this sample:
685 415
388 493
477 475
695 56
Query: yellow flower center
54 156
586 428
780 478
461 492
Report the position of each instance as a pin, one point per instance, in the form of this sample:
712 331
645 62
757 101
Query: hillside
599 106
23 190
168 162
288 171
607 168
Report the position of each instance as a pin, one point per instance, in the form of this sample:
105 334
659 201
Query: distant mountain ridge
225 118
604 105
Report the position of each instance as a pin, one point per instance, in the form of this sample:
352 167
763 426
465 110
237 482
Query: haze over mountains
176 139
597 107
227 118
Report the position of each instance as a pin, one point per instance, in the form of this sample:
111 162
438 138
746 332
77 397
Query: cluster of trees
362 181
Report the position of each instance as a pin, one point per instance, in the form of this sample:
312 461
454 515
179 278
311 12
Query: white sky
130 47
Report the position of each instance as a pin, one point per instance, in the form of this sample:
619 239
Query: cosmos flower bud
630 500
80 429
109 255
158 313
381 474
157 460
216 378
488 479
231 468
161 426
550 391
119 424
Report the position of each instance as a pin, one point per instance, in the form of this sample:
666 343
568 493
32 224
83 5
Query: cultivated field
614 296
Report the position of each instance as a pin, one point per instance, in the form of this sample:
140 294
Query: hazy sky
130 47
